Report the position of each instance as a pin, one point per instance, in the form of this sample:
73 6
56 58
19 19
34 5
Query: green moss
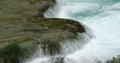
22 29
1 60
28 49
50 47
11 53
14 53
56 23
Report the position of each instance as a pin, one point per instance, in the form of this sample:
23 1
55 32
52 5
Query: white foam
105 26
104 21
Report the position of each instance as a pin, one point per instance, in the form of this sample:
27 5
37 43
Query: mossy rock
49 28
23 9
22 29
15 53
49 31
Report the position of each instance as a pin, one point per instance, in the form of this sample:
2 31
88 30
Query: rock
59 60
22 22
49 28
23 9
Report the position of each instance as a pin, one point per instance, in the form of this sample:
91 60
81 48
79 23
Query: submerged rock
59 60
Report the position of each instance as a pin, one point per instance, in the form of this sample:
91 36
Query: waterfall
67 47
102 17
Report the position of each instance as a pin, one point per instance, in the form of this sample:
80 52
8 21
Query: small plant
114 60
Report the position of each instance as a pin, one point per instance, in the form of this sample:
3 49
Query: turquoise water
97 1
102 2
103 18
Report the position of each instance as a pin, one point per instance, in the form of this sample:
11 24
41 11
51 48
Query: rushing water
103 18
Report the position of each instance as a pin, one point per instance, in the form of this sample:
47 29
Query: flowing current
103 18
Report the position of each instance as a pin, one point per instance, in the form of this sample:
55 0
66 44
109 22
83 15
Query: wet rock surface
22 22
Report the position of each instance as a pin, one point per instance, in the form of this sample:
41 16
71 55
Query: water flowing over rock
26 32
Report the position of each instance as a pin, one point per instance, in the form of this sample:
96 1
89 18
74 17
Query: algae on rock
23 27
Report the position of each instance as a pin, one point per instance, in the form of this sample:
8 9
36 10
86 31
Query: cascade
102 17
